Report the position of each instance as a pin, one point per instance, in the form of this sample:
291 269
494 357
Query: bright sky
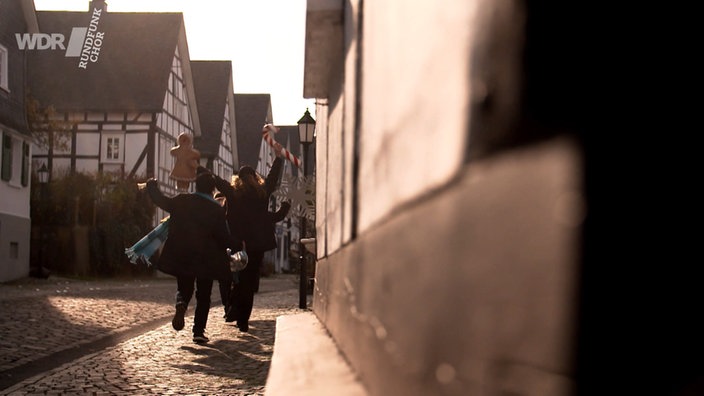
264 39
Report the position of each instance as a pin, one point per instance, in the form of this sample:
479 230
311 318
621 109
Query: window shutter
25 164
6 157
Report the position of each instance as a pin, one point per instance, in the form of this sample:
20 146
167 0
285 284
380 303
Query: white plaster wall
333 194
60 168
14 216
415 97
14 231
350 98
321 178
226 162
335 134
37 150
266 158
15 197
134 145
88 144
87 166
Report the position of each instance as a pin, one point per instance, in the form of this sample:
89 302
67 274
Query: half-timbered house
253 111
286 230
17 17
216 109
124 99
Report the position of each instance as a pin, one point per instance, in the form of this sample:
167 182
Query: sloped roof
211 80
132 70
252 111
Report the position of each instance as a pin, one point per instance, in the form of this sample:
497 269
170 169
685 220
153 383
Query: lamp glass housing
43 174
306 128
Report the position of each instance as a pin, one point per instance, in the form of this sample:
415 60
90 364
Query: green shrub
116 212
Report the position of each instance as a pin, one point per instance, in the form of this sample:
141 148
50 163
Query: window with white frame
112 147
3 68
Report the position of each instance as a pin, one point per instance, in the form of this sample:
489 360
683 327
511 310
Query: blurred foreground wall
463 243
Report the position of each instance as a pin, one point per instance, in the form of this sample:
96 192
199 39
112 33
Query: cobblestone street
115 338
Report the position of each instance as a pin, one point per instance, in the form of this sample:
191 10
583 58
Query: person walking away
195 251
247 202
224 285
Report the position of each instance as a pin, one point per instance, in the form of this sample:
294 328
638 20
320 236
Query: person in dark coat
252 227
226 285
195 249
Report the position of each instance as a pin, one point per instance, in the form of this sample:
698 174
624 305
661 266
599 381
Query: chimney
99 4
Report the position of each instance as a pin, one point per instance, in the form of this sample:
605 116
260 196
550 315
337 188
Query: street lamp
43 176
306 135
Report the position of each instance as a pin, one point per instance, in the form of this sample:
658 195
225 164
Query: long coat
248 215
198 236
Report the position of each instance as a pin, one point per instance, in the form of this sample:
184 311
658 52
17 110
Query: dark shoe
200 338
244 327
177 322
230 315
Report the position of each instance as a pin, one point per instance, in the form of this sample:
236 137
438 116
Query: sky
264 39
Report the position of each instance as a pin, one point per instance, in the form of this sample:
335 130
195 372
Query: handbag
238 260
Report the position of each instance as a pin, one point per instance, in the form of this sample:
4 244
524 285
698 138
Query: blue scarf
149 244
206 196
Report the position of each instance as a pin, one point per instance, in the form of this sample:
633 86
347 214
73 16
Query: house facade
253 111
121 111
115 108
455 251
16 17
286 230
216 108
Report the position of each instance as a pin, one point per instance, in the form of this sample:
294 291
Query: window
6 157
112 148
14 250
3 68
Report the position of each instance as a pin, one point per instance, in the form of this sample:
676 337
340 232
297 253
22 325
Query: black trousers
242 294
184 293
225 285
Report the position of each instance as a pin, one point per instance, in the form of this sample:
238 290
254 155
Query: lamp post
43 176
306 134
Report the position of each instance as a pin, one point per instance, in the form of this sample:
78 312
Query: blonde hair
243 184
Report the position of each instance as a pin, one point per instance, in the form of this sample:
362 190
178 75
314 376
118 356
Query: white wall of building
415 101
15 223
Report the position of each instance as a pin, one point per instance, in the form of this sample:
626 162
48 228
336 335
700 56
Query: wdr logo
84 42
53 41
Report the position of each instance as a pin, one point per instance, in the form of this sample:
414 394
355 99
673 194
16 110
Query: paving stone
160 361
